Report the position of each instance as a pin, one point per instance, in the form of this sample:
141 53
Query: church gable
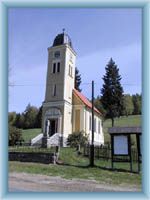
80 99
76 100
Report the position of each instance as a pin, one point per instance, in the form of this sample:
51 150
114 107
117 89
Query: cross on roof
63 30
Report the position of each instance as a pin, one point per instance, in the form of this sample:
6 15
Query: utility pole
92 142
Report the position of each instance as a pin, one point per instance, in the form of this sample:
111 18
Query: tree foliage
38 122
137 101
112 91
11 118
30 118
30 115
99 106
128 106
19 122
77 138
77 80
15 135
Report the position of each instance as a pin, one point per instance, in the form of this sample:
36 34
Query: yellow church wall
84 120
81 120
57 77
74 113
77 120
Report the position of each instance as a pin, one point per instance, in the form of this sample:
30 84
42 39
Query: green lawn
75 166
28 134
133 120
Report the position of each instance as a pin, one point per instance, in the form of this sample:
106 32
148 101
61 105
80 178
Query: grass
29 134
75 166
30 149
133 120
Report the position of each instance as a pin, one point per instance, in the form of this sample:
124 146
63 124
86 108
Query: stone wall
45 158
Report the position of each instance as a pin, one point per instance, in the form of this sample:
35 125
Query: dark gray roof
125 130
61 39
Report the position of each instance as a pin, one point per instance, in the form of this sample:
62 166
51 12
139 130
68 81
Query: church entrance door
53 127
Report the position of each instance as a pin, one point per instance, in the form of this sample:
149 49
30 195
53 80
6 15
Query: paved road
23 182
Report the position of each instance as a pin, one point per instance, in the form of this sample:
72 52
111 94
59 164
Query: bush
15 135
77 138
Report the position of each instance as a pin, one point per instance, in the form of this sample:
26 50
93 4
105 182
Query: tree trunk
112 119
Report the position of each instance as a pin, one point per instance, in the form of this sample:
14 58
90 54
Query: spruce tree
112 91
77 80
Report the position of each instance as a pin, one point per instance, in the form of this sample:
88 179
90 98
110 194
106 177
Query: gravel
24 182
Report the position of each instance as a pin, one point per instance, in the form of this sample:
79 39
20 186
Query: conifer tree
112 91
77 80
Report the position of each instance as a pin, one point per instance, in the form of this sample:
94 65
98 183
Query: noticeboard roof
125 130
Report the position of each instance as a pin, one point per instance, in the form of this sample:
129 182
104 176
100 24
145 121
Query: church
65 109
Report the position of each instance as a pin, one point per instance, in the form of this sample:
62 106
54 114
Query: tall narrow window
70 70
54 68
90 123
58 67
95 125
99 126
54 90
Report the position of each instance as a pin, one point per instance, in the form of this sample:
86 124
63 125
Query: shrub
77 138
15 135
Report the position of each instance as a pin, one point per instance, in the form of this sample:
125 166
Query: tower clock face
57 54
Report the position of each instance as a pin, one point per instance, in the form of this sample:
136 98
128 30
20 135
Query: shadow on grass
98 167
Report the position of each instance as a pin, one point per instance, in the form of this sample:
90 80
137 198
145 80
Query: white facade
59 106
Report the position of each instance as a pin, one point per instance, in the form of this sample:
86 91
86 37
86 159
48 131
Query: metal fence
104 153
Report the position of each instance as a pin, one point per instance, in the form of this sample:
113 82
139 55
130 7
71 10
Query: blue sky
97 35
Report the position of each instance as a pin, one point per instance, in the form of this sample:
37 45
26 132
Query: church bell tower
57 106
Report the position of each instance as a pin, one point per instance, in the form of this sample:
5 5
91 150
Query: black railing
104 153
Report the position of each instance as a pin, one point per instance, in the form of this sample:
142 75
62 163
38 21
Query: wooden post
138 151
112 151
130 152
92 143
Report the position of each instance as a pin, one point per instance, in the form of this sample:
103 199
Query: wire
41 85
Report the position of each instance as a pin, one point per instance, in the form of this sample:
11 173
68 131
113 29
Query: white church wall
98 135
69 79
67 129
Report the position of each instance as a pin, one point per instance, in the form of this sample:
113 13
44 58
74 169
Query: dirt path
21 182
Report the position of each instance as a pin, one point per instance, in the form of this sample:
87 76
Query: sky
96 34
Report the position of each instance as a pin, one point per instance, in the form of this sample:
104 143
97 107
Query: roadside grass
29 134
77 167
